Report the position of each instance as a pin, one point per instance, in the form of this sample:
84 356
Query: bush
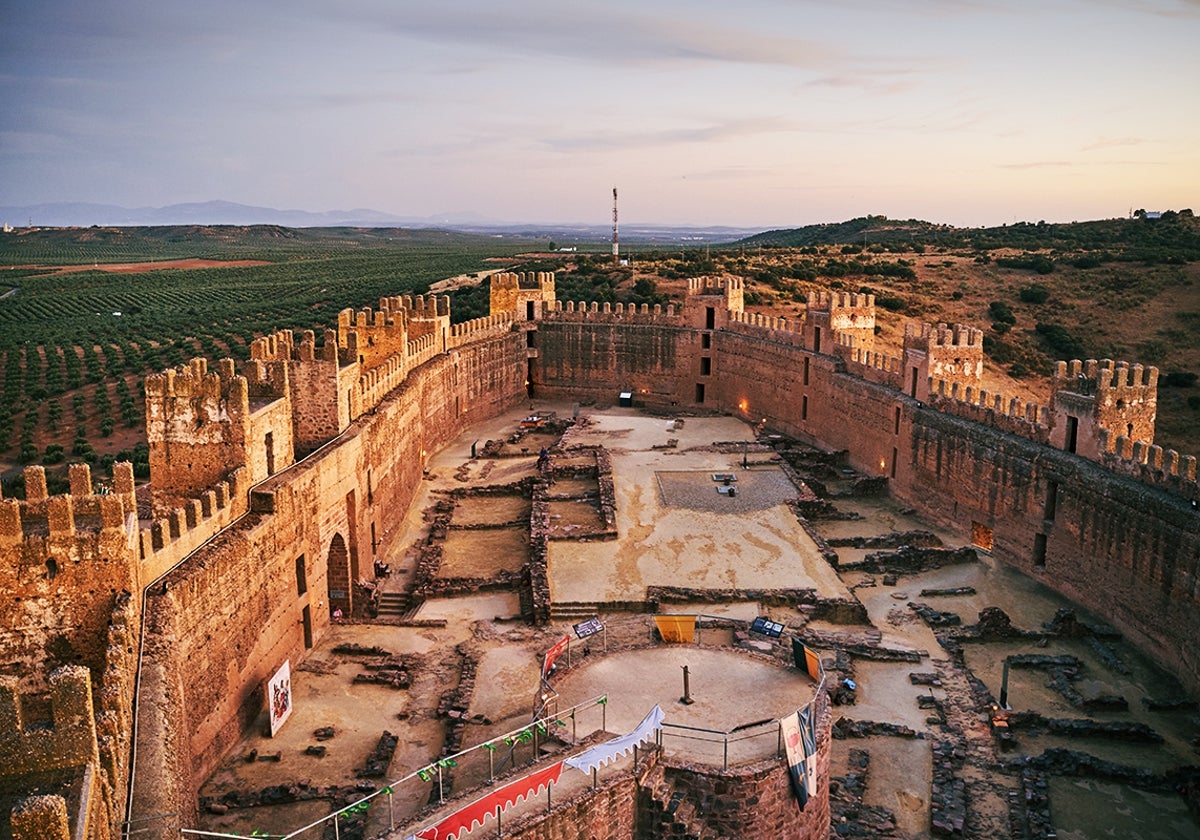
892 304
54 454
1034 293
1001 313
1061 340
1179 379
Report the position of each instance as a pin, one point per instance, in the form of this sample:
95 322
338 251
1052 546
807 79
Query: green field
75 346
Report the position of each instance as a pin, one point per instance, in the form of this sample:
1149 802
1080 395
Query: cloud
619 140
1038 164
1111 142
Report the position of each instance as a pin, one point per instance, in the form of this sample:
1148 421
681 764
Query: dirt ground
674 528
142 267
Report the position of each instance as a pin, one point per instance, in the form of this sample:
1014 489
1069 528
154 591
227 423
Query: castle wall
598 359
1122 548
234 612
67 561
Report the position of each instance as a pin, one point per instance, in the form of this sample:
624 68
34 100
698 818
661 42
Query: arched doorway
340 582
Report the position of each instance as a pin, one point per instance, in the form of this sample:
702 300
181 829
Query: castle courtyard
677 530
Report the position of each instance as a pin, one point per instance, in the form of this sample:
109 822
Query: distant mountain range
230 213
213 213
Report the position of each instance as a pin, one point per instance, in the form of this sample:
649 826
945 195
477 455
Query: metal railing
475 766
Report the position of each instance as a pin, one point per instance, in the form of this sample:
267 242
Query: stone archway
340 583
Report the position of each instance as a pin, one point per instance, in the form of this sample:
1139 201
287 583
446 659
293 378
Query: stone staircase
573 611
579 610
396 606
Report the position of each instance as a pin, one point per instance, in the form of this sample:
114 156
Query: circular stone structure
729 689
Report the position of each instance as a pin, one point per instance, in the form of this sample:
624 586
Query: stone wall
1124 548
235 611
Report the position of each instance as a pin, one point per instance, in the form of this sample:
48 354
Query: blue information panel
766 627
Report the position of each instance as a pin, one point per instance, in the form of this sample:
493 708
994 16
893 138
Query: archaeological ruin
145 625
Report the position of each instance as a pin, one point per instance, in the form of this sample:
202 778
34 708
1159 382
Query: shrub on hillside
1034 293
1179 379
1061 340
1001 312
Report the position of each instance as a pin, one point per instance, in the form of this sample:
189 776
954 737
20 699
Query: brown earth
141 267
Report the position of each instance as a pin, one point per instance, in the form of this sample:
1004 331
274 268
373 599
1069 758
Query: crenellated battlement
194 393
767 322
711 285
1092 376
927 336
831 301
183 528
1150 463
509 280
84 509
1008 414
866 363
69 740
617 312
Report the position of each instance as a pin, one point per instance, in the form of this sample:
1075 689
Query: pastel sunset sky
769 113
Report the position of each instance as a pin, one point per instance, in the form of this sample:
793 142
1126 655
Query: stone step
392 604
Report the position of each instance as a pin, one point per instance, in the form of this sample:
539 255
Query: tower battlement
831 301
714 285
69 741
1092 397
949 354
1092 376
925 336
840 313
66 515
529 294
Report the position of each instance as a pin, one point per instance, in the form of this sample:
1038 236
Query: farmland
78 336
75 346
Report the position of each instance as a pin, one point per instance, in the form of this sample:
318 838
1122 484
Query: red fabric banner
502 798
559 648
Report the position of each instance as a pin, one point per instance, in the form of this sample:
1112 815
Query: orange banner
676 628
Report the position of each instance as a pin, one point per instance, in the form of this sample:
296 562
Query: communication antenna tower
616 249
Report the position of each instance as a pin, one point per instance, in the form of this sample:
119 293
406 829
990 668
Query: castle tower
527 294
201 425
710 300
67 747
1087 397
953 354
838 314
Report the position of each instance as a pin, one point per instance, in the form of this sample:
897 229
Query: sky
755 113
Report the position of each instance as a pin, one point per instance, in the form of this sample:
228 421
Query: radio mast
616 249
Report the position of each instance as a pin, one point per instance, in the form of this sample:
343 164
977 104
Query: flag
676 628
553 654
808 734
794 745
806 659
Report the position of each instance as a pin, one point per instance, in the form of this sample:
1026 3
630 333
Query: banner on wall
806 659
500 800
602 754
279 696
794 746
676 628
